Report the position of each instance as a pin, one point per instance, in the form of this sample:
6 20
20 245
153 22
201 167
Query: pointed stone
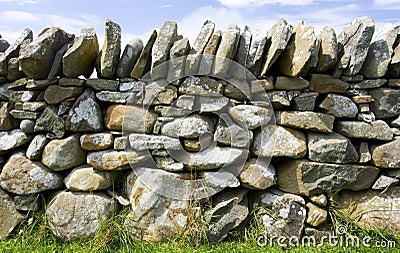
56 69
328 50
339 106
49 121
256 53
238 70
55 94
278 39
226 52
178 59
109 55
143 64
36 59
386 102
209 52
129 58
81 57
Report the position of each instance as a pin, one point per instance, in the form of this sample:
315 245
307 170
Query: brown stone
327 84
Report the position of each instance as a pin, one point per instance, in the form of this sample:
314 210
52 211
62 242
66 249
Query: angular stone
372 209
23 96
314 121
23 177
214 103
169 111
189 127
14 50
257 174
291 83
56 69
71 82
177 60
109 54
332 148
379 54
277 40
339 106
81 57
85 115
129 58
97 141
35 148
386 102
305 101
295 59
316 215
120 143
231 134
376 130
185 102
63 154
328 50
363 99
129 118
200 86
365 155
31 106
215 158
308 178
13 72
131 85
387 155
384 182
143 142
3 45
194 58
102 84
20 114
115 160
207 59
49 121
368 117
354 41
86 178
36 59
319 199
327 84
27 126
159 94
226 52
143 64
256 53
238 71
168 164
115 97
79 215
10 217
7 121
12 139
238 89
278 141
55 94
161 49
280 214
250 115
370 84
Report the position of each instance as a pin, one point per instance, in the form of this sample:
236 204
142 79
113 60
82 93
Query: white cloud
18 17
20 2
250 3
166 6
387 4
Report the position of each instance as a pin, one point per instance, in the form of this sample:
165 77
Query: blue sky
138 18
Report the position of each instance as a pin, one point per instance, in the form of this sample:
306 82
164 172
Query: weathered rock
143 142
314 121
379 54
102 84
226 52
372 209
29 203
27 126
12 139
319 199
23 96
386 102
295 59
257 174
305 101
129 58
7 121
219 223
280 214
31 106
327 55
332 148
363 99
277 40
168 164
35 148
19 114
376 130
86 178
143 64
279 141
365 155
215 158
231 134
10 217
291 83
109 54
55 94
49 121
238 71
207 59
316 215
36 59
13 51
370 84
354 41
63 154
154 217
384 182
327 84
256 53
309 178
78 215
189 127
129 118
115 160
387 155
200 86
23 177
97 141
194 58
238 89
214 103
219 179
250 115
3 45
57 68
85 115
178 60
339 106
120 143
159 94
186 102
13 72
81 57
169 111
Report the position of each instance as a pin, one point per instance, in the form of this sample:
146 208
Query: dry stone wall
277 127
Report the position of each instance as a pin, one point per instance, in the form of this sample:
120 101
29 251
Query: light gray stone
129 58
369 84
257 174
314 121
387 155
339 106
86 178
177 60
200 86
27 126
189 127
376 130
231 134
35 148
168 164
12 139
384 182
226 52
10 217
250 115
256 53
109 54
215 158
328 50
115 160
143 142
238 70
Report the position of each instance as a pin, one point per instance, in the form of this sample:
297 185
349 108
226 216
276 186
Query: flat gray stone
109 54
189 127
111 160
35 148
314 121
376 130
86 178
12 139
339 106
386 155
143 142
